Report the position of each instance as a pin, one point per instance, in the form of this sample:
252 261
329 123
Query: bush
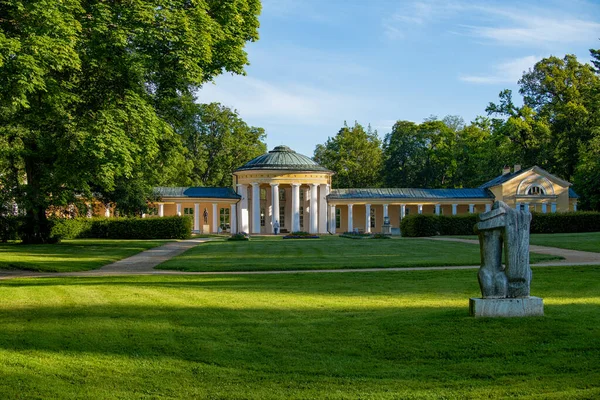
301 235
431 225
10 226
239 236
123 228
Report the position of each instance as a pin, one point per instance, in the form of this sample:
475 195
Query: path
144 263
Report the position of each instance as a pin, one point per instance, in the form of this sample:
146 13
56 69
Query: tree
355 155
404 153
88 89
217 142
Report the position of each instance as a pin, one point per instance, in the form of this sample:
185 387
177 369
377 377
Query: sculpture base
517 307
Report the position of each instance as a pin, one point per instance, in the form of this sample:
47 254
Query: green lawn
381 335
70 255
329 252
589 241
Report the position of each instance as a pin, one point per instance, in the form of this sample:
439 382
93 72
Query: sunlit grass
586 241
274 253
70 255
359 335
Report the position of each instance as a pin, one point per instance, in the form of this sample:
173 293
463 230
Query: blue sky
319 63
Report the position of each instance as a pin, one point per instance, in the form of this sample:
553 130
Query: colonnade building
286 188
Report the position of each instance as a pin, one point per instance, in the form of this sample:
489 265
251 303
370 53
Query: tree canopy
354 154
89 91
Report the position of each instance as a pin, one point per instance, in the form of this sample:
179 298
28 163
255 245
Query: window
224 218
262 216
281 194
406 211
338 218
281 214
188 211
301 216
372 217
263 194
536 191
301 195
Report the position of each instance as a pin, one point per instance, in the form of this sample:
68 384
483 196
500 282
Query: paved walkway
144 263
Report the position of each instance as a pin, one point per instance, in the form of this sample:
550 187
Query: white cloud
292 103
507 24
506 72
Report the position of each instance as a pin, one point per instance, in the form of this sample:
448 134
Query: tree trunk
37 228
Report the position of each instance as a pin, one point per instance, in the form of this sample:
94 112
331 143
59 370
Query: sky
319 63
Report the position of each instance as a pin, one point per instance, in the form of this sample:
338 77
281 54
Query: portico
286 187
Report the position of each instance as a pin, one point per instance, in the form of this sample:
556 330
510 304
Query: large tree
88 88
217 142
355 155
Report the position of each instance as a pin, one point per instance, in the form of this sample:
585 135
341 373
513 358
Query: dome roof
282 158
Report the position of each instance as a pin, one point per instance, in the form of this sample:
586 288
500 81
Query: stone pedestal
386 229
205 229
512 307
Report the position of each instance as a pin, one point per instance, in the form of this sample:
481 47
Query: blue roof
572 194
409 193
197 192
502 178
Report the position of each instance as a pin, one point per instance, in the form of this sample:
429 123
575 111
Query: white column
350 227
323 192
454 208
527 207
332 219
243 208
295 207
367 218
553 207
420 208
437 209
544 208
161 210
255 207
215 218
178 205
314 212
471 208
107 210
197 217
574 206
274 205
488 207
233 218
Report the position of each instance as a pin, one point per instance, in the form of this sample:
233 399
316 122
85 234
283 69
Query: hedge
123 228
432 225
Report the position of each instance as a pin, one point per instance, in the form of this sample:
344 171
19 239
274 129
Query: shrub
380 236
123 228
301 235
10 226
239 236
432 225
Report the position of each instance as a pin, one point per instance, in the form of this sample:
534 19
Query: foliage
571 222
300 235
421 225
88 89
123 228
239 236
355 155
217 141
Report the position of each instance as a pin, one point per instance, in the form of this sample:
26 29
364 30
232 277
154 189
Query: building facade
286 188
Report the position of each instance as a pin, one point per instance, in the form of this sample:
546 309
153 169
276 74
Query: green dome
282 158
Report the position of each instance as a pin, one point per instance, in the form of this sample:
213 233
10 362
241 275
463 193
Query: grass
70 255
382 335
329 252
589 241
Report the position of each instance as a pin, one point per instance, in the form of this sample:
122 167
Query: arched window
536 190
